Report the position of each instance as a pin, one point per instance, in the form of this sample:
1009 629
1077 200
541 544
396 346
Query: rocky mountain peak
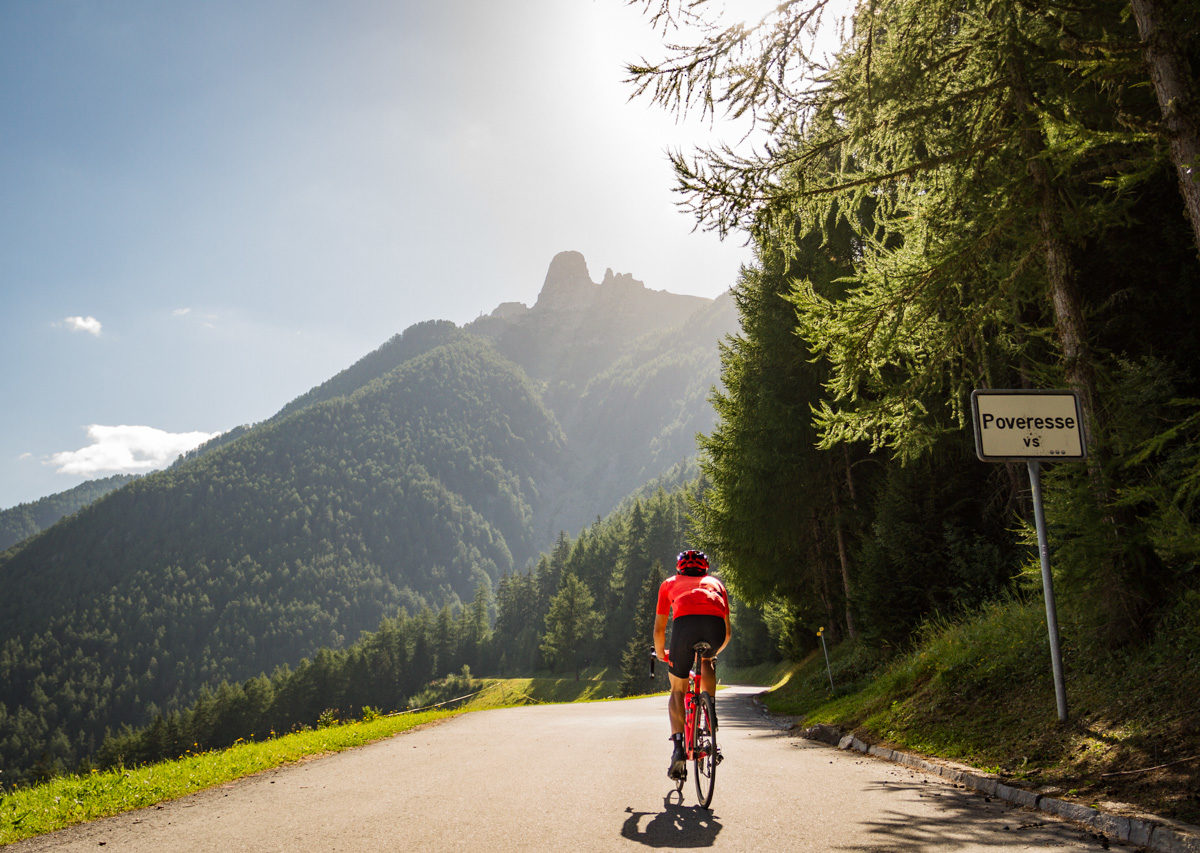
621 281
567 282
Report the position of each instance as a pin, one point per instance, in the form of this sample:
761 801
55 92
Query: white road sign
1015 424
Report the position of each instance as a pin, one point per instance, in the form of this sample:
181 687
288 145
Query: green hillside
412 342
24 520
301 534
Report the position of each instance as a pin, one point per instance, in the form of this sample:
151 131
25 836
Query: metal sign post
828 668
1060 685
1031 426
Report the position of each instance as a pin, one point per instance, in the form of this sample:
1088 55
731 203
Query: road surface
588 777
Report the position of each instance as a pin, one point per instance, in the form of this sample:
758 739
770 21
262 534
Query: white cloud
126 450
83 324
24 456
181 312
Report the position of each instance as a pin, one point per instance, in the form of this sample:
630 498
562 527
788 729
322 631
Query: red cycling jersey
687 595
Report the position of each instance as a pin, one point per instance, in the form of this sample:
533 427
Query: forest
24 520
587 602
971 195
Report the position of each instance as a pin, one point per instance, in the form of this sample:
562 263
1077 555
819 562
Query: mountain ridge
24 520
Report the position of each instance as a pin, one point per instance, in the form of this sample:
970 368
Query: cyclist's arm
660 636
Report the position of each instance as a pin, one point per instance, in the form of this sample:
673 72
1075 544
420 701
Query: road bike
699 729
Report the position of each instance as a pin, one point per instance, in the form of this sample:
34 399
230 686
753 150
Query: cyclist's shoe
678 768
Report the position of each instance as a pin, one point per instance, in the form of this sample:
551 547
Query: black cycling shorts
686 631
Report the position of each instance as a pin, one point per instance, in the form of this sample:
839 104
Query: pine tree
571 625
766 508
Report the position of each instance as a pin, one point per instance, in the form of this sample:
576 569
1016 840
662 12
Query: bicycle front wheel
704 749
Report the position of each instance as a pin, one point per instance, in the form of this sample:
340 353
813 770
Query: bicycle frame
689 704
699 743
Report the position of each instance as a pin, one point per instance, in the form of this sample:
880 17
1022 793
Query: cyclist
700 607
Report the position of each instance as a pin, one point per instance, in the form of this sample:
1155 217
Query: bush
445 689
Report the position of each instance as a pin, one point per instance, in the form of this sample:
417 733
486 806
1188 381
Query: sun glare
833 23
745 12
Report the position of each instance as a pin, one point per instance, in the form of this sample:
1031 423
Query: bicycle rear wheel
704 749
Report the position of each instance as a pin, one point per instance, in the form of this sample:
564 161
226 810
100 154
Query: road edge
1158 834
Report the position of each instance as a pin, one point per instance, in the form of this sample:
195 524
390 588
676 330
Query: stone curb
1152 835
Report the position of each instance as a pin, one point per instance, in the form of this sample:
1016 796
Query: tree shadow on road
968 821
676 826
741 711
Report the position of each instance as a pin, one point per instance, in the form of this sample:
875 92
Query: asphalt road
589 777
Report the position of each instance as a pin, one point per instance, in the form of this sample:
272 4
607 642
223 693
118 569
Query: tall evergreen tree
767 506
572 624
515 634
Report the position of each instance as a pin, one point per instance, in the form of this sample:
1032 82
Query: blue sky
211 207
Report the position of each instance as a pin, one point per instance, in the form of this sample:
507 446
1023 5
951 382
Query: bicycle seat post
698 651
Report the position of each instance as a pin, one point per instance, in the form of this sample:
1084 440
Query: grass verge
979 691
68 800
773 675
506 692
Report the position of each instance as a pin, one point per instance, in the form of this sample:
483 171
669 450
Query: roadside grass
593 684
773 675
68 800
979 690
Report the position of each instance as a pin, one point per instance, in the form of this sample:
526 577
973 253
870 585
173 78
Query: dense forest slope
24 520
433 467
608 576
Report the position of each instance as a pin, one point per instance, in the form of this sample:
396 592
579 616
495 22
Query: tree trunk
850 480
822 566
1175 88
1070 327
851 631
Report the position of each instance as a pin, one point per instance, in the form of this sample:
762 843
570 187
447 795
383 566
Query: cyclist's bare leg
708 676
675 703
708 683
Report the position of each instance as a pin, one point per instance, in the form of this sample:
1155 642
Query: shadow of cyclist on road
676 826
